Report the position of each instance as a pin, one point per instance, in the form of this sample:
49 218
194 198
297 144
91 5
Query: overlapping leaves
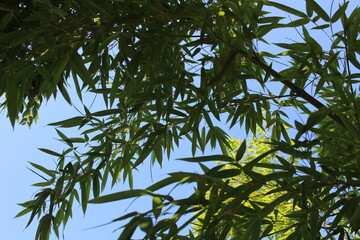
167 72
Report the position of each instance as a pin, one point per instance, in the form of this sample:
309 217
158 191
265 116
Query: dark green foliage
168 71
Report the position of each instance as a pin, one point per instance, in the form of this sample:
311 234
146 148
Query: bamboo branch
299 91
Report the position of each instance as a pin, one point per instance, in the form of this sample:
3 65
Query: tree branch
299 91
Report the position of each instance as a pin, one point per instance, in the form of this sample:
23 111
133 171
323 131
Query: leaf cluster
169 72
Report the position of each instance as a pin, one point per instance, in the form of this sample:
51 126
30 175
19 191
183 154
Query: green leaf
297 23
91 5
16 37
106 112
214 110
41 184
314 119
252 163
339 12
96 186
284 162
129 229
315 46
85 192
23 212
355 219
353 59
287 9
108 40
241 151
59 68
71 122
156 206
145 224
324 26
125 216
316 7
301 47
50 152
79 68
43 169
5 20
122 195
165 182
12 99
208 158
353 131
227 173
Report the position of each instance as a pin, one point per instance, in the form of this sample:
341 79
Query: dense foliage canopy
174 70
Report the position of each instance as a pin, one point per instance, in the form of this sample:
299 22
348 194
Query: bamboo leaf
43 169
122 195
12 99
71 122
241 151
286 9
339 12
5 20
321 12
50 152
208 158
79 68
59 68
